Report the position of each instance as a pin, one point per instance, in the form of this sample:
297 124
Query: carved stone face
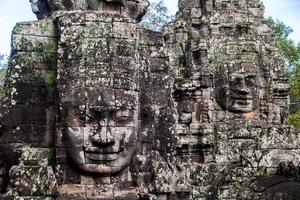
237 88
100 136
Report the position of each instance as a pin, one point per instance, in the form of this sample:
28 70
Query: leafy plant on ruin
157 16
291 53
3 69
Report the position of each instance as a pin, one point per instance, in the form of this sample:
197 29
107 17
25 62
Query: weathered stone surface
98 108
231 114
32 181
135 9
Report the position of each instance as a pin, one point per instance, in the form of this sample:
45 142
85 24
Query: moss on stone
96 5
50 51
294 119
51 156
67 3
50 78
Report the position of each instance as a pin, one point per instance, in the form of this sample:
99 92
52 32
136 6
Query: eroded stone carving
132 8
100 133
237 88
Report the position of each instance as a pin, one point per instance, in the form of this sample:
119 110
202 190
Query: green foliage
294 119
290 50
51 156
291 53
49 51
294 78
3 69
50 78
157 16
96 5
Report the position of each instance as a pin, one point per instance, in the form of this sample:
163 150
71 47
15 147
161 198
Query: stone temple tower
231 96
97 107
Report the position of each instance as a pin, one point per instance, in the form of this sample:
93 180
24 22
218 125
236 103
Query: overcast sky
12 11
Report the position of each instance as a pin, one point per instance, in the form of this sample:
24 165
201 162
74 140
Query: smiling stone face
237 88
100 136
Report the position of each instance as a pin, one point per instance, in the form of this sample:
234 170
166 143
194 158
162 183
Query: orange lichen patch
72 189
249 115
111 8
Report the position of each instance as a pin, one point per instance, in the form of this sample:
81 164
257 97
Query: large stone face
97 107
135 9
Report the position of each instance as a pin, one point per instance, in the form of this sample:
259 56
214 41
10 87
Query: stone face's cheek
73 138
125 135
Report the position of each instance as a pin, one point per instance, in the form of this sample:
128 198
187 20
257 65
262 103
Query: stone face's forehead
241 68
101 96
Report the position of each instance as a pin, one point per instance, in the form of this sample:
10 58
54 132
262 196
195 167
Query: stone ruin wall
198 111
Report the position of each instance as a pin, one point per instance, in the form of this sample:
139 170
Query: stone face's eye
94 115
123 115
80 117
235 80
251 81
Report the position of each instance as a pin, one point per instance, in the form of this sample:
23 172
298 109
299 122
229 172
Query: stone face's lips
242 97
105 150
103 154
243 101
103 157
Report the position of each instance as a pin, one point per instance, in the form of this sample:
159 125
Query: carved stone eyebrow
102 108
123 112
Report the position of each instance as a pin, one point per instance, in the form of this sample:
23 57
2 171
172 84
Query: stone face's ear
137 9
40 8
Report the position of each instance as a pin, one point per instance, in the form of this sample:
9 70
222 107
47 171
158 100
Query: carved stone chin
237 91
101 136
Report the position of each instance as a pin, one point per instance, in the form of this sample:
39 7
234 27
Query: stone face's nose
242 88
102 136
